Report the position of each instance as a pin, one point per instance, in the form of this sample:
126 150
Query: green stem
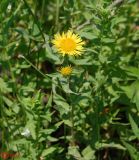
2 120
64 132
57 15
72 120
43 9
44 75
35 19
72 127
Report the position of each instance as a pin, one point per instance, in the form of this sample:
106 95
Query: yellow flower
68 43
66 71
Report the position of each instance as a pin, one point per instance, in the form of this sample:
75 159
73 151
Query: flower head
66 71
68 43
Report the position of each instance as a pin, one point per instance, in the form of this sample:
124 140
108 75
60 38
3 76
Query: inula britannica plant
69 87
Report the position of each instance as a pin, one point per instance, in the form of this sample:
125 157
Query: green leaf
48 151
86 61
134 126
88 35
50 55
109 145
88 153
132 92
31 125
68 123
107 40
4 87
62 106
7 101
118 20
132 151
132 71
73 151
65 85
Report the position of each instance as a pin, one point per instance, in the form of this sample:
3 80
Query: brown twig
116 2
84 24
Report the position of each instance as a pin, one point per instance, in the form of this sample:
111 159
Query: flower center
68 45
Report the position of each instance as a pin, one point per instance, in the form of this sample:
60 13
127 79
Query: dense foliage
92 114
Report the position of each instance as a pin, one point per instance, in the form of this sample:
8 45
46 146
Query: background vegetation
91 115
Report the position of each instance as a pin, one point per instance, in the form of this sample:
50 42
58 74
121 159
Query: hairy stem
72 127
35 19
57 15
